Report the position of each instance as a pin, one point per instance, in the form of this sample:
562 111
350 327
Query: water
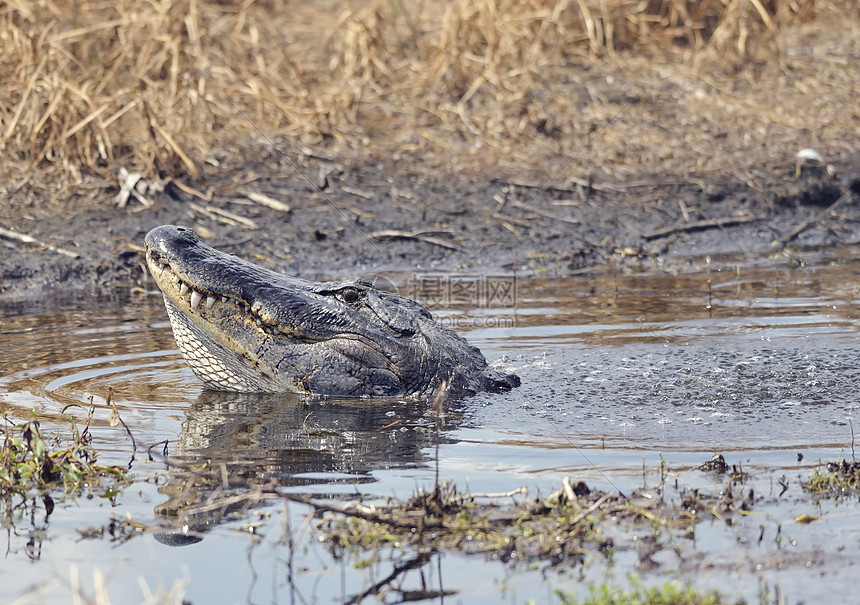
755 360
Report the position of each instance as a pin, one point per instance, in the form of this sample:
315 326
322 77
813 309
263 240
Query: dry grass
167 87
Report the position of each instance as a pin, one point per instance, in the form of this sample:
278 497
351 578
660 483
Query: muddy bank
404 155
313 217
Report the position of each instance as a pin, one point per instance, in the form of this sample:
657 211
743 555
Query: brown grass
166 87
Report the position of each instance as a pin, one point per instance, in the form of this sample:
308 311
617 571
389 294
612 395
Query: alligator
244 328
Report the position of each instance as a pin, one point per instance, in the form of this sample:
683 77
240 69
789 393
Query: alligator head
247 329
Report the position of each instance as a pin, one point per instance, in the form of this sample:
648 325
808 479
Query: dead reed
166 87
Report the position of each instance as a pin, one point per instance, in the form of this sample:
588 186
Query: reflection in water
759 360
393 587
285 435
286 440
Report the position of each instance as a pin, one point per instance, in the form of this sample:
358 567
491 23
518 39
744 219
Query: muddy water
755 359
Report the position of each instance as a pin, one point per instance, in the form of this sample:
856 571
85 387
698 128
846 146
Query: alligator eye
350 295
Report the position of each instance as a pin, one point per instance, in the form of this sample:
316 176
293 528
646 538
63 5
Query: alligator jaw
235 338
197 301
213 358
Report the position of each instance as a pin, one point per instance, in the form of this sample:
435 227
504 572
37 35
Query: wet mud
351 220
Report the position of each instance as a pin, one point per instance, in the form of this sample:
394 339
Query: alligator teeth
209 302
183 289
223 299
175 278
196 297
259 322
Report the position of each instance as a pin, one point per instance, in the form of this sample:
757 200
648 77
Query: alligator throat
219 368
243 328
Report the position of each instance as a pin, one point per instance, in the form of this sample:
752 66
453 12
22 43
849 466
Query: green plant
668 593
27 462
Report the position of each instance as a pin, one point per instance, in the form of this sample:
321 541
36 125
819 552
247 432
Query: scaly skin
247 329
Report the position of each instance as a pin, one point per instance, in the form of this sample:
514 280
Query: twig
165 443
570 494
544 213
85 434
122 422
582 515
28 239
418 561
265 200
352 509
566 188
357 192
613 187
711 223
438 408
421 236
127 182
494 495
224 216
205 196
177 150
846 196
511 222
